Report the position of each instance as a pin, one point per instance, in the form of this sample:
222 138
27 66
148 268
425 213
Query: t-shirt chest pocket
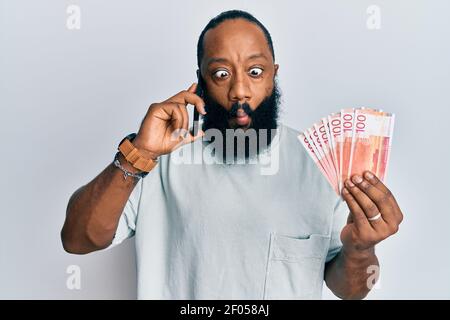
295 267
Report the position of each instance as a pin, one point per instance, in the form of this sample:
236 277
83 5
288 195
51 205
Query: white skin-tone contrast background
68 96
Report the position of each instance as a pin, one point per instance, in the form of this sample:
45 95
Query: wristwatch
134 157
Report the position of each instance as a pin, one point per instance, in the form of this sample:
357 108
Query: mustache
236 106
264 116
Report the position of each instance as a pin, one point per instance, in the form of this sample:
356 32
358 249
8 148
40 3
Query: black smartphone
199 92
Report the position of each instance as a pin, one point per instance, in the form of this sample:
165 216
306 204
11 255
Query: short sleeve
127 221
340 215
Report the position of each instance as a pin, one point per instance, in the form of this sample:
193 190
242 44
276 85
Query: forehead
235 38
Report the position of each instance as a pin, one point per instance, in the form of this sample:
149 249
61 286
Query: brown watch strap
134 157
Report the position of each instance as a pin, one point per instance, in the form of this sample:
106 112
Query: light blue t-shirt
234 231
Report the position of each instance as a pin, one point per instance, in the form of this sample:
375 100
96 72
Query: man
222 229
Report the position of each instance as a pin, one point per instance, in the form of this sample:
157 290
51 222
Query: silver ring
376 217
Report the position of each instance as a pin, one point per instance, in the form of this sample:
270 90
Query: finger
191 138
381 200
368 206
358 216
176 115
195 100
188 97
382 187
376 182
193 87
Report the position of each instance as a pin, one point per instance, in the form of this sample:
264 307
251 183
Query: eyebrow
253 56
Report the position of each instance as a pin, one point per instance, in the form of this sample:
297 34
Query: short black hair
230 15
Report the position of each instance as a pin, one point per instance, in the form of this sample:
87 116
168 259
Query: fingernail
349 184
345 191
369 175
357 179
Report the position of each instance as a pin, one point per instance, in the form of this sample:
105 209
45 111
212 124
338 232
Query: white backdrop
67 97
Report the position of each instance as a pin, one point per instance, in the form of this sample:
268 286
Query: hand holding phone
166 124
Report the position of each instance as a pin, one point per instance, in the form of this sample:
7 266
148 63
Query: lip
242 119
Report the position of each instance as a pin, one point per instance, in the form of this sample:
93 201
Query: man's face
237 68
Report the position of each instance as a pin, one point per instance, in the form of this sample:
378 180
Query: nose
240 90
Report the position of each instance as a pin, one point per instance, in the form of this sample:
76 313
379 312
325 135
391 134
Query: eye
255 72
221 74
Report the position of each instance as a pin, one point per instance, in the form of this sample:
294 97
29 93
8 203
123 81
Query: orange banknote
350 142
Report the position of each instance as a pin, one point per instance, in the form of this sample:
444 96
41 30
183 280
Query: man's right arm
94 210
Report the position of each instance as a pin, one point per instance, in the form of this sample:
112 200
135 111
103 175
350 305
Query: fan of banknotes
350 142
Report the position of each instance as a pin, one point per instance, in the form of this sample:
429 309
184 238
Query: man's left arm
374 216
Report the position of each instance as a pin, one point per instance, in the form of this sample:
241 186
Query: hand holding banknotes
374 213
351 148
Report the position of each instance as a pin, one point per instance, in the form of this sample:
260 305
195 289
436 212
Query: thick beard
265 116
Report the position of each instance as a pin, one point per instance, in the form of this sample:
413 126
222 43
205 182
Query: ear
276 66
